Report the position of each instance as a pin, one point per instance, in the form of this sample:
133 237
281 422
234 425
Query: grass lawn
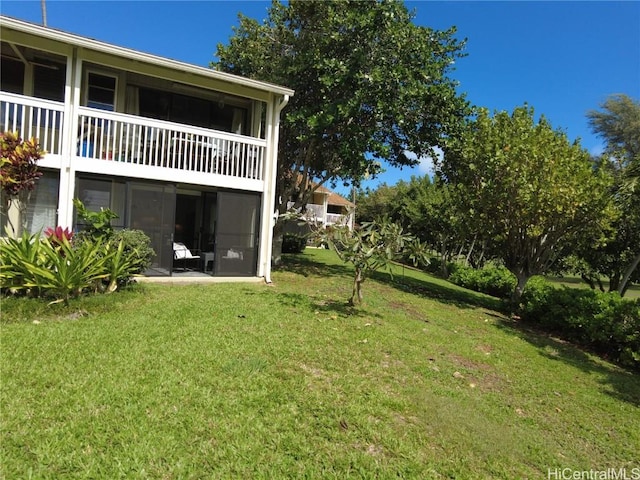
426 380
576 282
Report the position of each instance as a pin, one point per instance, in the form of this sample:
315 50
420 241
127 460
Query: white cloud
426 166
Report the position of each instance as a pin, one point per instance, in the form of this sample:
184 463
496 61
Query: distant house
186 154
327 208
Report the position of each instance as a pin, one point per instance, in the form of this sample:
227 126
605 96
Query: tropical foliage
618 123
18 175
526 189
374 246
62 265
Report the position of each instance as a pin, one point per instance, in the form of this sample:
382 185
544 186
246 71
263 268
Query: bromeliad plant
62 265
58 235
51 267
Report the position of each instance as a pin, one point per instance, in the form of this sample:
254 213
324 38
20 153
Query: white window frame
103 73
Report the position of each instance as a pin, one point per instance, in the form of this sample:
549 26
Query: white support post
269 219
67 172
325 207
268 210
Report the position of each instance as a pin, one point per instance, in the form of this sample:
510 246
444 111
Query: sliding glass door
237 233
152 209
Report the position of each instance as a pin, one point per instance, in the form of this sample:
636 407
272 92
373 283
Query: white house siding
83 141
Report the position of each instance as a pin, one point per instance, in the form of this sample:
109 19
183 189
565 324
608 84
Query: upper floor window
101 91
48 81
11 75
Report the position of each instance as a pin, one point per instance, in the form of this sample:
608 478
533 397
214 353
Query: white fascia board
88 43
147 172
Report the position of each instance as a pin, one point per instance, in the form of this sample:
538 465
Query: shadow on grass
426 286
617 382
306 266
439 290
321 305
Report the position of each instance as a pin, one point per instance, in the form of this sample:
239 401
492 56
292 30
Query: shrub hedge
62 265
602 322
493 280
293 243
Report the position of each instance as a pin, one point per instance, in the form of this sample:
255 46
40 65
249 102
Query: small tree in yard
373 246
18 174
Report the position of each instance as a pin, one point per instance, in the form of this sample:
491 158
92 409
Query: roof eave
88 43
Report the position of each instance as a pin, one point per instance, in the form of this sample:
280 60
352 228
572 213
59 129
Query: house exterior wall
121 143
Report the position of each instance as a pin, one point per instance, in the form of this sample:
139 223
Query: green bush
137 246
493 280
293 243
603 322
126 253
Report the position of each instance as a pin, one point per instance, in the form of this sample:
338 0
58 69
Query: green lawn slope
426 380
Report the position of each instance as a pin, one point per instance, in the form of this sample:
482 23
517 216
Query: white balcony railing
338 219
315 213
135 140
142 141
33 117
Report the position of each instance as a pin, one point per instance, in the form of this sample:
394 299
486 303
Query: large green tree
618 124
529 191
370 86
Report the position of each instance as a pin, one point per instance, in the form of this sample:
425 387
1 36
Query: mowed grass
576 282
426 380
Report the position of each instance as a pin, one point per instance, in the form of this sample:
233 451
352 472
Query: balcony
338 219
108 142
33 117
315 213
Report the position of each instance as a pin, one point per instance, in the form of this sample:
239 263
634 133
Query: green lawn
576 282
427 380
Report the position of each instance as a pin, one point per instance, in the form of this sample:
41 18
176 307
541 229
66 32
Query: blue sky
562 58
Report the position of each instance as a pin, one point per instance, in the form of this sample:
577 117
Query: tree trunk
276 247
614 282
522 278
473 244
589 281
14 211
444 271
356 295
624 283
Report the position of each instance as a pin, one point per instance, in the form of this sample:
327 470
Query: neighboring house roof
84 42
334 198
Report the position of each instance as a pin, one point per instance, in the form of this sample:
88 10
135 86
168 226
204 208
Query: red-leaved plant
58 235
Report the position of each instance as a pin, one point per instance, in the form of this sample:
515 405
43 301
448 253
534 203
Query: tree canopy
527 188
618 124
370 85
